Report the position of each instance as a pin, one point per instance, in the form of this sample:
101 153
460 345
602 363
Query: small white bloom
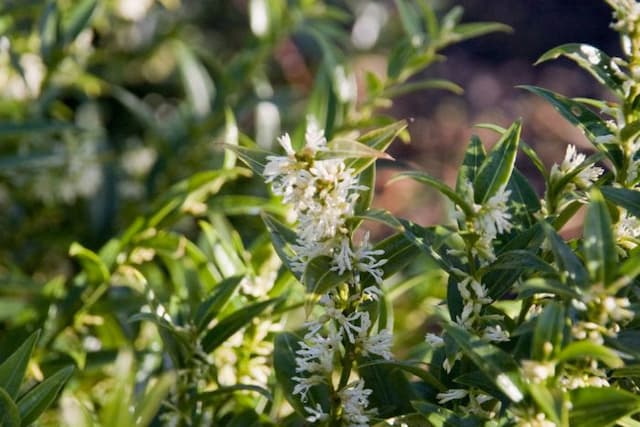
316 413
495 334
355 400
434 340
379 344
453 394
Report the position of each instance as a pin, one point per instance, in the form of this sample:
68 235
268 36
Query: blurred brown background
489 68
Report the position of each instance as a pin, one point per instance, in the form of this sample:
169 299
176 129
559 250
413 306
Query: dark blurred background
489 68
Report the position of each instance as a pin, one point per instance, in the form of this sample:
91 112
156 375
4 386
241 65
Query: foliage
196 296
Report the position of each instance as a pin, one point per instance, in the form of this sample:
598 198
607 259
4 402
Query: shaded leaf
13 369
9 413
495 171
599 245
601 407
35 401
592 59
231 324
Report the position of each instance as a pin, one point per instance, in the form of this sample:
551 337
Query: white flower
304 384
368 260
379 344
316 353
493 216
453 394
371 293
434 340
495 334
355 400
316 413
536 371
572 161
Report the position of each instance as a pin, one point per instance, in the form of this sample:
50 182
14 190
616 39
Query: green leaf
495 171
13 369
628 199
438 185
405 88
8 129
567 260
281 237
367 179
474 29
80 17
211 307
344 148
526 148
599 245
412 369
549 329
319 277
391 391
473 158
438 416
410 21
284 363
157 391
596 62
97 272
523 200
539 285
9 413
49 30
601 407
35 401
377 139
400 55
586 120
197 83
550 401
233 323
590 350
211 396
497 365
518 259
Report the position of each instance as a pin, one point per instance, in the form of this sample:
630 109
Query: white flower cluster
323 193
571 162
489 220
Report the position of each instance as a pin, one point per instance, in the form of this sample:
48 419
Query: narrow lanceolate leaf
9 413
566 259
410 19
549 329
405 88
209 309
596 62
580 350
79 20
492 361
254 158
93 266
232 324
281 237
13 369
344 148
379 140
284 363
628 199
601 407
496 169
155 394
438 185
586 120
599 245
36 400
473 158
